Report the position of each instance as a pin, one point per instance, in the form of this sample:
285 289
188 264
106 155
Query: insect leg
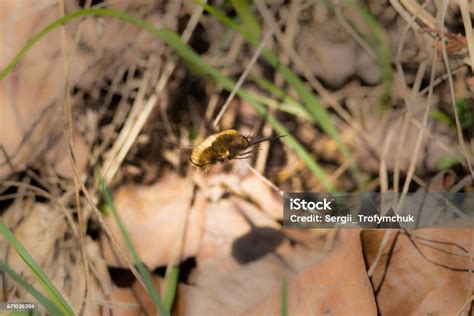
252 151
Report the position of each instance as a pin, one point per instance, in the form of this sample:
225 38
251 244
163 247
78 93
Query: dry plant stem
443 77
400 47
40 192
453 97
417 149
55 194
68 136
419 139
407 17
431 137
92 203
466 18
406 120
291 27
137 117
453 207
114 88
166 121
118 118
416 9
355 36
240 81
262 155
383 165
140 112
264 179
175 258
103 223
464 308
462 183
170 67
339 171
411 169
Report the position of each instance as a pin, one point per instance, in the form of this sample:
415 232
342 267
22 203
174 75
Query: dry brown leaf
153 216
244 252
267 199
217 291
123 302
338 285
455 43
227 220
29 94
423 287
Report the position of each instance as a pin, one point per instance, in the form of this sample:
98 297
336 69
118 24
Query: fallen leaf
418 280
29 94
213 290
154 216
337 285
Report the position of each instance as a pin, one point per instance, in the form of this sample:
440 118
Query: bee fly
223 146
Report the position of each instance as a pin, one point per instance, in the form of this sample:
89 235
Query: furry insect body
221 147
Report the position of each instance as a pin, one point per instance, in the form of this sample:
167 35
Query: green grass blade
289 104
46 284
43 300
144 273
284 298
249 22
447 162
171 287
283 107
443 118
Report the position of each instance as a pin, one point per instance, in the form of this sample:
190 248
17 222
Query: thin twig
410 172
264 179
355 36
241 80
68 136
452 93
